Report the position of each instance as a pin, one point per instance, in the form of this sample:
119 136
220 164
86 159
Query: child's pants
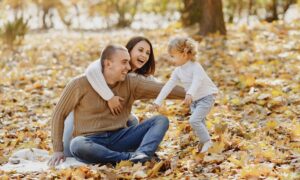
200 109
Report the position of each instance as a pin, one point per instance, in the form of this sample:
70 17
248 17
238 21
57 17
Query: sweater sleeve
167 88
196 81
97 81
67 102
152 78
146 89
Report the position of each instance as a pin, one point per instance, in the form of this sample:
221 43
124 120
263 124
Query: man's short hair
108 52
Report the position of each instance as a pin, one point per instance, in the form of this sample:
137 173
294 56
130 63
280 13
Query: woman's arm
97 81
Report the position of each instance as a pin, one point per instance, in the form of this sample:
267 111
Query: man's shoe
139 157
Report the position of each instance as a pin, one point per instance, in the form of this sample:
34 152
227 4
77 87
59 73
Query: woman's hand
188 99
115 105
56 158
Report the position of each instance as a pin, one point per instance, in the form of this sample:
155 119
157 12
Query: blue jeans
115 146
200 108
68 129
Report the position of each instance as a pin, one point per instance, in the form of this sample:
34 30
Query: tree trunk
212 20
273 16
190 14
249 11
77 14
45 12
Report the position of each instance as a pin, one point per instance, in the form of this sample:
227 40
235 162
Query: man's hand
188 99
56 158
115 105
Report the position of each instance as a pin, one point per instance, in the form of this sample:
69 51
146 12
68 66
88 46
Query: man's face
119 65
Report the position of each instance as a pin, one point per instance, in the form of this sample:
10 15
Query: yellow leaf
249 81
296 130
153 172
217 147
123 164
237 162
276 92
67 173
37 85
209 124
272 124
79 174
236 101
255 171
269 153
220 128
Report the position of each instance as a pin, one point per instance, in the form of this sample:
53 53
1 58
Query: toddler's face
177 57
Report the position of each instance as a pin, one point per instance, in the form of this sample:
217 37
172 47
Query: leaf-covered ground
255 124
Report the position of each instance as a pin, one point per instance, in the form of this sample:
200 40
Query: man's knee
79 146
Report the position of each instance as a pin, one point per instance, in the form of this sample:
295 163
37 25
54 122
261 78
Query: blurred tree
125 9
268 10
208 13
190 13
276 8
17 6
211 18
13 33
76 4
160 6
47 7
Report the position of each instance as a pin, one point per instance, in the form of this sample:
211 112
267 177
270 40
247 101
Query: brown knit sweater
91 112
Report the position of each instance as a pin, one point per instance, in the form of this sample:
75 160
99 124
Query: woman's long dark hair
149 67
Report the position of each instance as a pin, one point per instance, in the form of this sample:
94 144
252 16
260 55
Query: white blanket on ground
35 160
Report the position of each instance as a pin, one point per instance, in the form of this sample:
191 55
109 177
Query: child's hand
115 105
154 107
188 99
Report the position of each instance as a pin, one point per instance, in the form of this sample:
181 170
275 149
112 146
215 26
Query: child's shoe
203 147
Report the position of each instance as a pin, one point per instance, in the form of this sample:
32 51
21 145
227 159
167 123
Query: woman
142 64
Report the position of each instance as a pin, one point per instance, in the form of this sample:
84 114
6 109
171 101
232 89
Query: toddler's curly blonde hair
183 45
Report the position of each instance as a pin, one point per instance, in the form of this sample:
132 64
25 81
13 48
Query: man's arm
67 102
146 89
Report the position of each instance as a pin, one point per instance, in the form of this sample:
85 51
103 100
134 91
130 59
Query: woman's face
139 55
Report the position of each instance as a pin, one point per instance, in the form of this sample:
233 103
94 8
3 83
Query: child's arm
97 81
167 89
197 79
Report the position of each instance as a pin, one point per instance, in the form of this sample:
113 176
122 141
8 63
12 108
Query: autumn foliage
254 125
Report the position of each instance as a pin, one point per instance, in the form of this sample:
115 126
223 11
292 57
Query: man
99 136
